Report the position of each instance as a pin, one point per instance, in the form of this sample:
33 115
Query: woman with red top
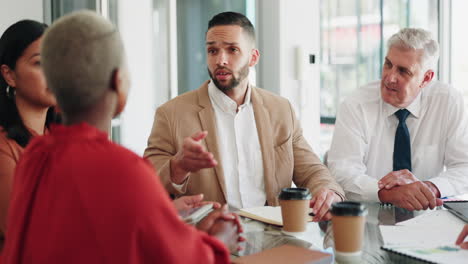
26 104
80 198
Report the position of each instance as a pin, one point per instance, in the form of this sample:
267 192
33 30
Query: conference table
319 236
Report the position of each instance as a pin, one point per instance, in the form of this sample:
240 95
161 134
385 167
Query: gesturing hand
191 158
461 238
321 203
397 178
193 201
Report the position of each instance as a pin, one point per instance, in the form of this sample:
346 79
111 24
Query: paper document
449 254
431 229
432 218
430 237
419 236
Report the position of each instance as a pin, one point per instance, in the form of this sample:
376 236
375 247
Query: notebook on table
266 214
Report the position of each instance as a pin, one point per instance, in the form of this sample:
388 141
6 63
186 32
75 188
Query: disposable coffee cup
348 221
294 204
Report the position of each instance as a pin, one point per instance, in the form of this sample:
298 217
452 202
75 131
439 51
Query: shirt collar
80 130
414 108
224 102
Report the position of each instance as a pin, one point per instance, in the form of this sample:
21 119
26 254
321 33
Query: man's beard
243 73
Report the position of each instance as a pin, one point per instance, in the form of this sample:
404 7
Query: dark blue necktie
402 147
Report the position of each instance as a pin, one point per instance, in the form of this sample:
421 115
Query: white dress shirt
362 147
239 148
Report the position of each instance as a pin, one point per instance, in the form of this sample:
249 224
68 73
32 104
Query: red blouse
79 198
10 153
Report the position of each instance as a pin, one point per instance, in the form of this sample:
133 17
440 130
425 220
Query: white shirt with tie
362 147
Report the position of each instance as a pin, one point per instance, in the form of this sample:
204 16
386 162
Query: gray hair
80 53
417 39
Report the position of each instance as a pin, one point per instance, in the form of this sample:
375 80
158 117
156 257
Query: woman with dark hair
26 104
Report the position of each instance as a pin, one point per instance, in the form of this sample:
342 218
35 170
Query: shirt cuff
444 186
343 198
367 191
180 187
373 192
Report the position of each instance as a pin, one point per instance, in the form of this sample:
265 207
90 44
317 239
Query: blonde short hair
80 53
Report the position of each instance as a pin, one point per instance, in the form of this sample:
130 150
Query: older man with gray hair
403 139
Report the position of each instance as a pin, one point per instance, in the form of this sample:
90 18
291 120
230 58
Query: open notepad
429 237
267 214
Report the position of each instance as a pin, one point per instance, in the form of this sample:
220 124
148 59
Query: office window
55 9
62 7
353 45
459 44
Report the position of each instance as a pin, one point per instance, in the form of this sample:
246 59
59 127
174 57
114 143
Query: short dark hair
233 18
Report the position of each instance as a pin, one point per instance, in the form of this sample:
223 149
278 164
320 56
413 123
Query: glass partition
459 52
55 9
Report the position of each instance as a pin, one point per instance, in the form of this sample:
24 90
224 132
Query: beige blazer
286 155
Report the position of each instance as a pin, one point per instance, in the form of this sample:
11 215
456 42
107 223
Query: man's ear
9 75
120 87
427 78
254 57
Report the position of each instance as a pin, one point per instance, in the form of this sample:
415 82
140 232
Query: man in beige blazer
253 133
